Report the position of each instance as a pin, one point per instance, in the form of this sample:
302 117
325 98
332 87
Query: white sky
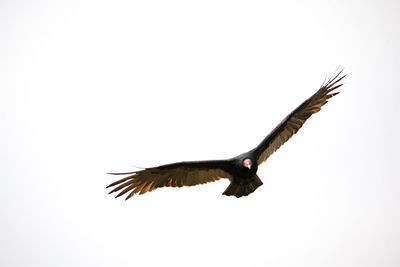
89 87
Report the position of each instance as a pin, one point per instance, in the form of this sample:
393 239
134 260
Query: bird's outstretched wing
175 175
293 122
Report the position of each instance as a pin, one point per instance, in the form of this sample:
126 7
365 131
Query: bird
240 170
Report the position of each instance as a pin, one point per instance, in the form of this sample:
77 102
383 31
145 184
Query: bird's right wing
175 175
295 120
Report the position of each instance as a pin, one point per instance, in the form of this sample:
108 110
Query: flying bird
240 170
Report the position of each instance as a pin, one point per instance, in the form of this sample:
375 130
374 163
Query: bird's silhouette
240 170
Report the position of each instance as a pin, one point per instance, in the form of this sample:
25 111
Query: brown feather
292 123
147 180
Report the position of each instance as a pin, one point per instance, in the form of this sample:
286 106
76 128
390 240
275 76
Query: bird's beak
249 166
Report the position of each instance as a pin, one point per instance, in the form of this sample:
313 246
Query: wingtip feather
333 94
121 173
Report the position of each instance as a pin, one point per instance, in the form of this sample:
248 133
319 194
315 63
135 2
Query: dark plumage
240 170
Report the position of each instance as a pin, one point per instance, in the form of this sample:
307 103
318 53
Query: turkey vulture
240 170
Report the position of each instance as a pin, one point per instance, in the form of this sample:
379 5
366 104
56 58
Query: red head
247 163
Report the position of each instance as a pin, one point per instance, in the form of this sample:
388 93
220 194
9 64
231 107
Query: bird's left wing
175 175
293 122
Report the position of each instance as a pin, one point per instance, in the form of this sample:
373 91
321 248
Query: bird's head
247 163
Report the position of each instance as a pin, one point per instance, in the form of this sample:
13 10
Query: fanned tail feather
239 190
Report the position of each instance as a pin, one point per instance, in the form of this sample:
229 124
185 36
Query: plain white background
89 87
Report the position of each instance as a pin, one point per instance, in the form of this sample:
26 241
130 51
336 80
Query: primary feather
295 120
174 175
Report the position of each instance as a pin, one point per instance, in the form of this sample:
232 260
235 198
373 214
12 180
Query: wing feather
295 120
172 175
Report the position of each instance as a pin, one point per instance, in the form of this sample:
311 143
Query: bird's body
240 170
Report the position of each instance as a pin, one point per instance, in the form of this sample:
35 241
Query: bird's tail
239 190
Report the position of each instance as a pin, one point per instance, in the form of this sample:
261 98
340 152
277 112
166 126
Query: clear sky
90 87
